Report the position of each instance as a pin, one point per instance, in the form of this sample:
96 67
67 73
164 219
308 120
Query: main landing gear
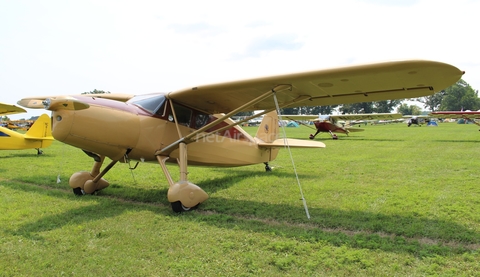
85 182
182 195
334 136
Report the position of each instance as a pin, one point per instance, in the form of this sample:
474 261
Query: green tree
386 106
96 91
406 109
292 111
355 108
460 96
309 110
432 102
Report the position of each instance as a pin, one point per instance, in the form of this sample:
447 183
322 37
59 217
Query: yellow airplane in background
38 136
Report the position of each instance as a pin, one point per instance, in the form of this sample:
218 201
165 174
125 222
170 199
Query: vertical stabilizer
42 128
268 130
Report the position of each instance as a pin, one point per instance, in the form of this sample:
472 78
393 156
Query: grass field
390 201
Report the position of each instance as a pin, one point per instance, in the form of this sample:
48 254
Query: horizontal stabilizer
350 129
294 143
38 138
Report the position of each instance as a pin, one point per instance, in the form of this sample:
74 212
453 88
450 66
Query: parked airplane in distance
330 123
38 136
466 115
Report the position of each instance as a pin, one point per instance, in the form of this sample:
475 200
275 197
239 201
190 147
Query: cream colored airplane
38 136
193 125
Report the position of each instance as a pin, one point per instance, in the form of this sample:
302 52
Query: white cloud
68 47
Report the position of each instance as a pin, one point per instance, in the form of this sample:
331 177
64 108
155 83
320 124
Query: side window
184 115
200 120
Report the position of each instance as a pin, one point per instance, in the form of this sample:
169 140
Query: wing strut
184 195
194 136
291 157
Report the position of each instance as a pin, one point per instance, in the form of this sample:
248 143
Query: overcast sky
56 47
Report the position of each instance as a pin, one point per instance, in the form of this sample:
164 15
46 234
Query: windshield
150 103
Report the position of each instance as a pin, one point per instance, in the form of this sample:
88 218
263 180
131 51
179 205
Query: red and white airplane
330 123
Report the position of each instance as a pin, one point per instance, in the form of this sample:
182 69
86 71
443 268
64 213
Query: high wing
362 83
456 114
416 116
343 85
10 109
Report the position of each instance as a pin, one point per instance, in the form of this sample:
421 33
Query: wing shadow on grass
360 138
345 137
456 140
364 230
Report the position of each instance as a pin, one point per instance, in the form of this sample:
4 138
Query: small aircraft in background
38 136
416 120
331 123
193 125
466 115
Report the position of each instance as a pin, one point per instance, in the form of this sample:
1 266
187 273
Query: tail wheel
78 191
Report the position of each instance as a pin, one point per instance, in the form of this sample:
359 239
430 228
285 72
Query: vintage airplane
10 109
162 126
466 115
38 136
416 120
330 123
6 109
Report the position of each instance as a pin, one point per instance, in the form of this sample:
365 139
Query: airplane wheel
178 207
78 191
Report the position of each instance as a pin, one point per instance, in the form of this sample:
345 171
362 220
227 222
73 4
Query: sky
61 47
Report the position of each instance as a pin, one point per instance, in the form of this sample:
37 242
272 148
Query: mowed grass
390 201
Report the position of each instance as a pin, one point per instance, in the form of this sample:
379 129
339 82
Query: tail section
268 135
41 130
268 130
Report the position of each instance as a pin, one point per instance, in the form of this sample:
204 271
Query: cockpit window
149 102
2 134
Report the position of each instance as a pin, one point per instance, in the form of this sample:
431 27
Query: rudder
268 129
41 128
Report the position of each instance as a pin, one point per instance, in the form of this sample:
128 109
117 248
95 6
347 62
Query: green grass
390 201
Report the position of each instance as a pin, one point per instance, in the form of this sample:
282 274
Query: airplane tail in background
41 130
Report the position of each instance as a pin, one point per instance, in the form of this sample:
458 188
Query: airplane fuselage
327 126
13 140
138 128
